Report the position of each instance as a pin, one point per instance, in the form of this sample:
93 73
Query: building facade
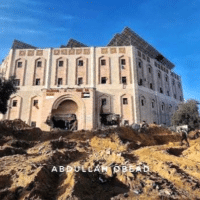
127 77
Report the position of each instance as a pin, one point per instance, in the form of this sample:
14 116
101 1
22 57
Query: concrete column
93 61
134 85
48 69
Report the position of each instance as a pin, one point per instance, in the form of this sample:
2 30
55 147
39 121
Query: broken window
125 101
35 102
103 102
60 81
103 62
37 81
80 63
80 80
123 62
33 124
103 80
39 64
14 103
124 79
126 122
60 63
19 64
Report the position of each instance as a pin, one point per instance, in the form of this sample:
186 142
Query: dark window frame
124 80
80 81
39 63
80 63
19 64
60 63
103 62
125 101
35 102
14 103
37 81
103 101
103 80
60 81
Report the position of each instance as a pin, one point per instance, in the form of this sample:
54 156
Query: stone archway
70 104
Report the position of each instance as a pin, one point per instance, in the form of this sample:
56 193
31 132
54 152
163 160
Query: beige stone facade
78 80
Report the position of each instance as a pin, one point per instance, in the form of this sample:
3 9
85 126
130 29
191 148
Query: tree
187 114
7 88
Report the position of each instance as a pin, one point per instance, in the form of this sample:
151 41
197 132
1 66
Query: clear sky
171 26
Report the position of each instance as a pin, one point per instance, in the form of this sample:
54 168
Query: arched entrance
68 111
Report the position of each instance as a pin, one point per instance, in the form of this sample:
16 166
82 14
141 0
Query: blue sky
171 26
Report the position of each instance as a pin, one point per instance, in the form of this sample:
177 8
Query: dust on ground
28 155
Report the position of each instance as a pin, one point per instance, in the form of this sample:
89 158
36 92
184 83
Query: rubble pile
115 164
16 124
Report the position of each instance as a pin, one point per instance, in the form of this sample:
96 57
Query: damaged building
79 87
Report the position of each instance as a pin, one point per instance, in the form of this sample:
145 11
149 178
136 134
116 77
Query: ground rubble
33 164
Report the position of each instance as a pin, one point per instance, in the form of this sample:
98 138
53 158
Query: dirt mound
102 165
16 124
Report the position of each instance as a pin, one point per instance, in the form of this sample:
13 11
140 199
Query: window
158 74
162 107
173 82
139 53
143 56
122 66
168 93
103 62
35 102
103 102
124 80
60 63
80 63
80 80
123 62
140 82
166 78
161 90
140 64
19 64
151 86
170 108
126 122
181 98
152 104
149 70
103 80
33 124
37 81
155 63
179 85
125 101
14 103
39 64
148 59
174 96
17 82
60 81
142 102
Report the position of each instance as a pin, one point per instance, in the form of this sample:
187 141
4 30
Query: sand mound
34 164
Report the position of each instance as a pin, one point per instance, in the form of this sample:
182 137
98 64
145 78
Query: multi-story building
127 77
